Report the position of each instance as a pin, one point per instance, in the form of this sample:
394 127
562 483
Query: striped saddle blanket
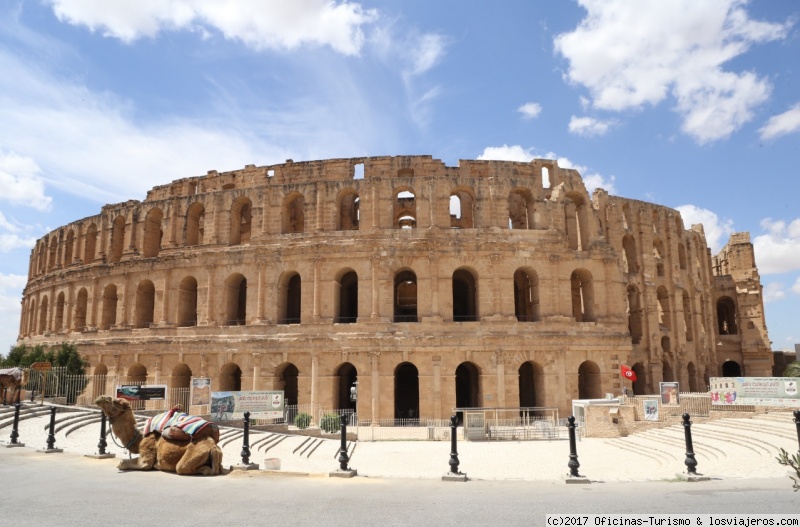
15 373
175 424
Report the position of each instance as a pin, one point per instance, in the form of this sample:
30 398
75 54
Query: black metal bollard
453 446
51 437
343 458
246 441
101 446
15 428
691 462
797 424
573 450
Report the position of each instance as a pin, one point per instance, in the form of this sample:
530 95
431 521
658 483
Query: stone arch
462 208
520 209
405 296
662 297
532 388
576 221
634 306
349 216
90 244
726 316
465 296
58 322
100 369
109 306
731 368
187 302
53 250
682 256
181 377
145 303
526 295
406 391
629 260
230 378
152 233
589 381
195 224
287 375
43 315
293 213
582 292
640 384
137 374
236 300
346 377
241 221
117 239
69 248
346 297
468 386
289 299
81 301
658 256
404 208
687 317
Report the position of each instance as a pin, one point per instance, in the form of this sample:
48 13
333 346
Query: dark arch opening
465 305
467 387
406 391
347 377
731 368
589 381
287 380
348 298
230 378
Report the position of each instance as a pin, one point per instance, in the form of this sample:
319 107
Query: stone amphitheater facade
490 284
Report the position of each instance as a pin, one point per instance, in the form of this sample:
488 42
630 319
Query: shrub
330 423
302 420
792 462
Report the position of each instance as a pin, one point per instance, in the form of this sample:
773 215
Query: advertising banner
201 391
670 393
156 392
761 391
226 406
650 407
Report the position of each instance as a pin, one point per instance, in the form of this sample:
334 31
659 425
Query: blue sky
694 104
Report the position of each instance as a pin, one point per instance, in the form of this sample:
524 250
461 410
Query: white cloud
785 123
631 53
592 181
778 249
774 291
716 230
11 286
796 286
530 110
588 126
13 236
20 179
259 24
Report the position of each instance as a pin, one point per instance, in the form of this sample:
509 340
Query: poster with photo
201 391
670 393
650 407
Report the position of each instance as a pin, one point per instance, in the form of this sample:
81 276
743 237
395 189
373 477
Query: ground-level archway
406 391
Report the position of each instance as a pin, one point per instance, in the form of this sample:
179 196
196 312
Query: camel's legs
195 459
146 459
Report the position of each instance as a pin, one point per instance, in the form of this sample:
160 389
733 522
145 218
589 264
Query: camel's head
112 407
25 377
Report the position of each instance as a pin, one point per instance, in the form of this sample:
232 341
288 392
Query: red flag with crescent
626 372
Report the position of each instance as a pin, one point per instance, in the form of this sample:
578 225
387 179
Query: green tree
68 377
792 369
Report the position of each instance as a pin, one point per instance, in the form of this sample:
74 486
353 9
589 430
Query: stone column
437 387
203 365
500 360
497 293
256 370
375 261
165 299
375 380
314 387
261 294
317 288
210 316
122 320
157 374
434 278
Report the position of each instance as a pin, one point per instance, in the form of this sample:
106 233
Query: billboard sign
759 391
156 392
226 406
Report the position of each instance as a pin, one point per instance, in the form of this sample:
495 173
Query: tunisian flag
627 373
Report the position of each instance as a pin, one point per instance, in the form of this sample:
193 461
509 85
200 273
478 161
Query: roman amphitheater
490 284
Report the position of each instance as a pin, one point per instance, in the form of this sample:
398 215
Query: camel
168 449
14 378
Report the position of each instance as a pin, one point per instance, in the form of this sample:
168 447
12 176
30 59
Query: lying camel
14 378
164 445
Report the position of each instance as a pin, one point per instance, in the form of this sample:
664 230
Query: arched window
582 295
405 209
152 233
145 303
658 256
58 324
465 296
117 239
635 314
236 300
346 298
290 297
195 224
687 317
629 254
293 214
90 244
575 211
663 308
69 248
241 221
726 316
462 209
79 320
109 306
682 256
520 210
589 385
405 297
43 316
526 295
187 302
349 211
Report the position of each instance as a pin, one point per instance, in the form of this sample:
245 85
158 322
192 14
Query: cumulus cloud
773 292
592 180
796 286
588 126
530 110
778 249
21 181
259 24
632 53
13 236
10 295
716 230
785 123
